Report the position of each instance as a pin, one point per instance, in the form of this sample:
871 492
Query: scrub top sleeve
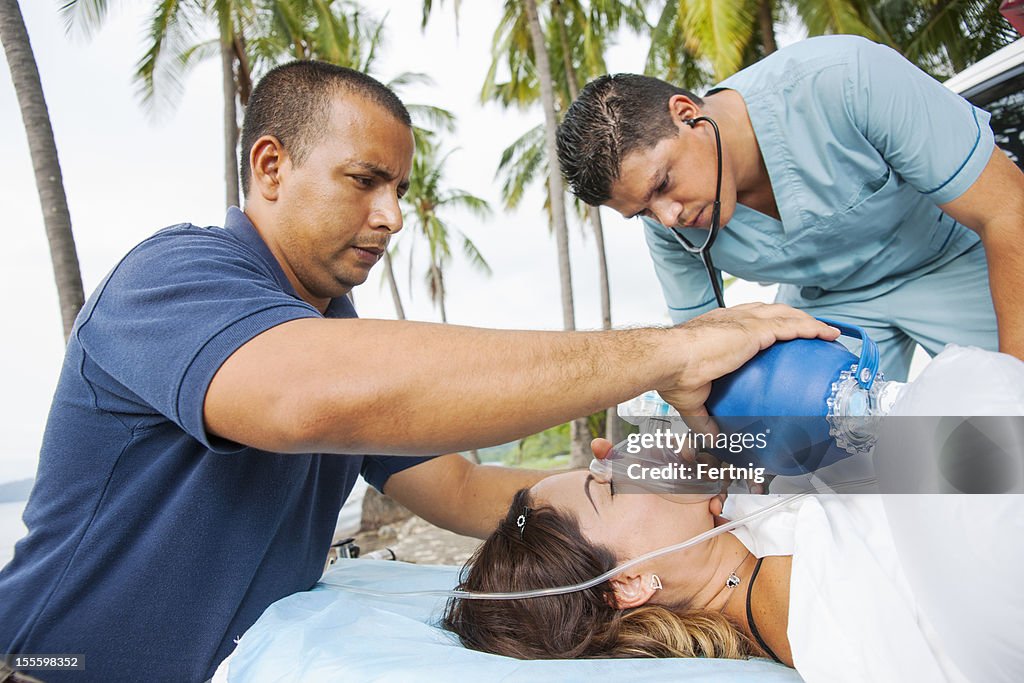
684 282
933 138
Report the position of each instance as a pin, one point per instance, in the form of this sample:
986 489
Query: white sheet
337 636
853 616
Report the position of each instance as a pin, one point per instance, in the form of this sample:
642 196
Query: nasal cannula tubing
597 580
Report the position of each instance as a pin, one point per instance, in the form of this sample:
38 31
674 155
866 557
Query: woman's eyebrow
586 490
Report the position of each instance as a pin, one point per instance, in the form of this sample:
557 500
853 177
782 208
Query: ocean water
11 529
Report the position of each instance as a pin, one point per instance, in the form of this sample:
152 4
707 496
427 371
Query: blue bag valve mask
809 402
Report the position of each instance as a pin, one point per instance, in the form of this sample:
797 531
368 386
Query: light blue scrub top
860 148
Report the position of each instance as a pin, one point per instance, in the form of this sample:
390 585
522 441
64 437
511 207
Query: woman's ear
634 590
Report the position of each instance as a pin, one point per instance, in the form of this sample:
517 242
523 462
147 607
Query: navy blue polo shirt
151 544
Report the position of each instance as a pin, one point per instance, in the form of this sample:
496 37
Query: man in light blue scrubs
866 189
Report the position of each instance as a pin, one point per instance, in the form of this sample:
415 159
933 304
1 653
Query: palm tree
43 149
177 40
521 23
697 42
556 191
427 200
250 37
577 34
942 38
578 433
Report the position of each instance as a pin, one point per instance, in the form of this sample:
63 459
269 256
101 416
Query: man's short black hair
293 103
613 116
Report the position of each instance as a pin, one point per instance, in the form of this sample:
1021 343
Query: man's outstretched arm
404 388
455 494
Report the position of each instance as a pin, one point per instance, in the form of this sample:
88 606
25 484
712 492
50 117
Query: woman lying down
816 585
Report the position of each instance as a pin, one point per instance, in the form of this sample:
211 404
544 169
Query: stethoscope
704 251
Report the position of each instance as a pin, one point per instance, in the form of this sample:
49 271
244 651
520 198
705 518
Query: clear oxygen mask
659 458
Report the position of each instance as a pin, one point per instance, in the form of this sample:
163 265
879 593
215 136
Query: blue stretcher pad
330 634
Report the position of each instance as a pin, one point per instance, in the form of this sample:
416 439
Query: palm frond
476 259
832 16
84 17
721 31
432 118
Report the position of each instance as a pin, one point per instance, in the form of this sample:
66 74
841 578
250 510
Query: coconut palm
180 34
577 34
942 38
428 202
697 42
43 149
521 22
249 36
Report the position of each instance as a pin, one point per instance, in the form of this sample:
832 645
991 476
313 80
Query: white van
996 84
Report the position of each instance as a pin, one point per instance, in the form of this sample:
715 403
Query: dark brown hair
553 552
292 102
613 116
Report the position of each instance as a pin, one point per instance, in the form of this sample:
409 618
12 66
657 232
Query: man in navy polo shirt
191 474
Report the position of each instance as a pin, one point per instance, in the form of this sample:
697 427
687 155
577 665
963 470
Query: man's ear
632 590
266 159
682 108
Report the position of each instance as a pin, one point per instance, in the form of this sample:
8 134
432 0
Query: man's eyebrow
586 490
652 186
381 172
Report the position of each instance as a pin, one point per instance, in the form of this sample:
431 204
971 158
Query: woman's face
628 524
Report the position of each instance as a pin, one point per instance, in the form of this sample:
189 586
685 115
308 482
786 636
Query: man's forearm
388 387
365 386
455 494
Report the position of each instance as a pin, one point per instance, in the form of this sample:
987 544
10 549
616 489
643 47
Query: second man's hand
721 341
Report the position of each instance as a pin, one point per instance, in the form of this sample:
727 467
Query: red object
1013 10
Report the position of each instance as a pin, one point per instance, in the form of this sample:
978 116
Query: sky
129 172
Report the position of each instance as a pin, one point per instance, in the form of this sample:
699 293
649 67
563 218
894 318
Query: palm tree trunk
556 192
227 62
389 273
613 425
43 149
767 25
579 453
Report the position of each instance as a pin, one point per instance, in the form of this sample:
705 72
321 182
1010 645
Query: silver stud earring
655 583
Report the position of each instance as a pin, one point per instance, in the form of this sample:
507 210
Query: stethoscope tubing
704 251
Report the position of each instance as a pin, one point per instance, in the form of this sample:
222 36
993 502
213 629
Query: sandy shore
416 540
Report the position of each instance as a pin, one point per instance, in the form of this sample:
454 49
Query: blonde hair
551 551
656 631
